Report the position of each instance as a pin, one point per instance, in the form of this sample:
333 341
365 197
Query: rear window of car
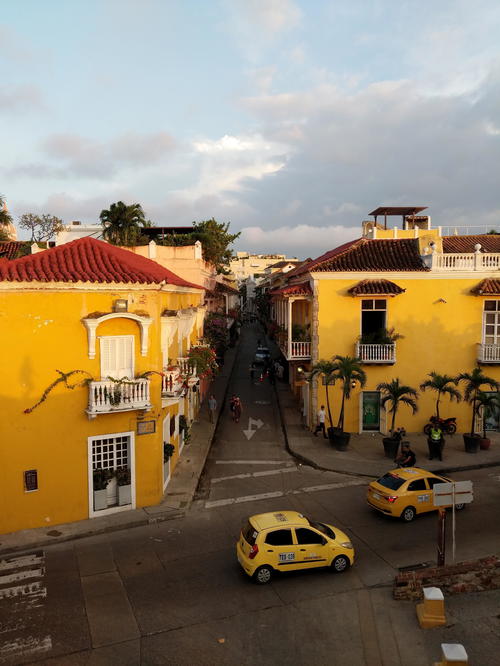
391 481
249 533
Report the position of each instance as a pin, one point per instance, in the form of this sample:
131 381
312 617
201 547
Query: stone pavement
177 499
365 454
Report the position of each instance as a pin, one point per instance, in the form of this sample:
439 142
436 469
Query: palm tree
122 223
473 382
442 385
397 393
489 404
327 370
5 216
348 371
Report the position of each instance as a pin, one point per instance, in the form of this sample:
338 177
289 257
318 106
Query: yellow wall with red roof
441 324
42 332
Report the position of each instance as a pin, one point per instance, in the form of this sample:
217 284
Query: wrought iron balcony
108 396
376 353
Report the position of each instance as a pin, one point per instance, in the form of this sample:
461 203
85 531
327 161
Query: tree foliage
442 384
326 369
215 240
5 216
396 394
122 223
41 227
473 382
349 371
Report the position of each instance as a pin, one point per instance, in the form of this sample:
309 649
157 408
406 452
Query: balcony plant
168 451
123 480
473 382
396 394
100 479
349 373
383 336
326 369
301 333
442 385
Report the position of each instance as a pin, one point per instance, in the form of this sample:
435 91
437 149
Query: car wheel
340 564
263 575
408 514
459 507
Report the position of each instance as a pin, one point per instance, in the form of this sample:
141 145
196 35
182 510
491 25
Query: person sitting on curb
407 457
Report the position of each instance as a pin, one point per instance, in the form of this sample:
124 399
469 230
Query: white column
290 303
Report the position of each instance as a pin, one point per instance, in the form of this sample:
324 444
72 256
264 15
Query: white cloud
296 240
271 16
21 99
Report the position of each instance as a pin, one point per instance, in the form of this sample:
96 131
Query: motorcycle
448 426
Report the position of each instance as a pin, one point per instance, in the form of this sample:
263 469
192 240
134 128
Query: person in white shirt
321 422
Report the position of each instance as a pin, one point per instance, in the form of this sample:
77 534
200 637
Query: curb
311 463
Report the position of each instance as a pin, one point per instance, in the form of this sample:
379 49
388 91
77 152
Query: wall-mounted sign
30 480
146 427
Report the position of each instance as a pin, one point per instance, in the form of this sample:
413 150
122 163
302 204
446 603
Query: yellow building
440 294
105 323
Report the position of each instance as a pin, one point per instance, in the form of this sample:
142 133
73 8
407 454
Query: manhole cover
54 533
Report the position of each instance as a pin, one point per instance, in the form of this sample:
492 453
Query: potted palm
487 405
473 382
100 480
396 394
442 385
348 372
123 481
327 370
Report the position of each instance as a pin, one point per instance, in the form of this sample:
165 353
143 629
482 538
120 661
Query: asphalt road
173 593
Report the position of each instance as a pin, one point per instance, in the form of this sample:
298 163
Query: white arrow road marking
262 496
267 472
249 433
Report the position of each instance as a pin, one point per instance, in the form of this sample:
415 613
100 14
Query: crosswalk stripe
267 472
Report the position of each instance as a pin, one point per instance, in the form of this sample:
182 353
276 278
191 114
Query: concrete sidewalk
365 454
177 499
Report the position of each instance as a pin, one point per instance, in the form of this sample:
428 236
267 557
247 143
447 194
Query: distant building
76 229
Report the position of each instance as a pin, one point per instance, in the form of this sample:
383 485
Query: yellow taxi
286 541
406 492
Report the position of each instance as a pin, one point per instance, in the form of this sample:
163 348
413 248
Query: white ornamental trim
92 324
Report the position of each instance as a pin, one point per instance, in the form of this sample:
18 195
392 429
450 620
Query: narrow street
173 592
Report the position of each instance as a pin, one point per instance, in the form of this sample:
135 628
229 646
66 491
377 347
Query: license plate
376 496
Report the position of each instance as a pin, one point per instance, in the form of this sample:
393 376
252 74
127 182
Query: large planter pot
391 447
124 495
484 443
100 500
339 439
471 443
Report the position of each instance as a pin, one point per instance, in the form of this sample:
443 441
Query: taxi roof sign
443 493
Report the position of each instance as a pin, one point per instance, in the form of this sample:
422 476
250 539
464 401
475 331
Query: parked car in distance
404 493
287 541
262 356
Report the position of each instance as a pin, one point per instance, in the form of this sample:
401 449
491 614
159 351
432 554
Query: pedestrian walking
237 409
212 408
321 422
231 405
252 370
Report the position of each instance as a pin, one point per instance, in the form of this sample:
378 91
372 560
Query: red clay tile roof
363 254
303 289
88 260
488 242
488 287
375 287
9 249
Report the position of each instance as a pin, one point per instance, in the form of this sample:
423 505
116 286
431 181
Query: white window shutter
117 356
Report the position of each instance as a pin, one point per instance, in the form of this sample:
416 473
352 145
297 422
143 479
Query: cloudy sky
291 120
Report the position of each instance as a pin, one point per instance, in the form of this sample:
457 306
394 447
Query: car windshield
391 481
249 533
321 527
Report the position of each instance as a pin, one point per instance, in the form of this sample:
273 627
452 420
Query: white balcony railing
172 383
376 353
108 396
295 350
466 261
487 353
186 367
